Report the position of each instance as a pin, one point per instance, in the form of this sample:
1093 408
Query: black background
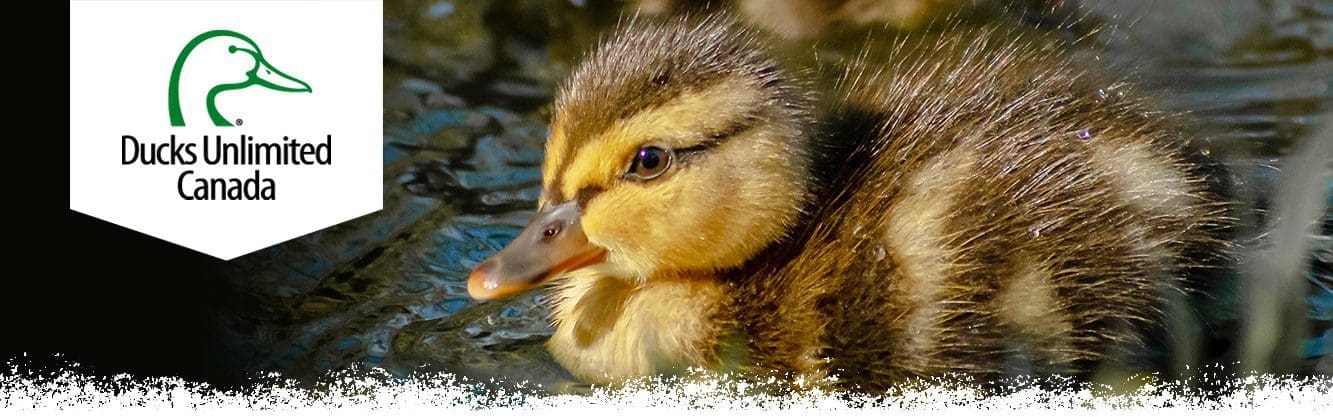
113 301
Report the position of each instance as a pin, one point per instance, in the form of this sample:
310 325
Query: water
465 92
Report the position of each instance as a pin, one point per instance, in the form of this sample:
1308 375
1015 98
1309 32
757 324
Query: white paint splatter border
71 392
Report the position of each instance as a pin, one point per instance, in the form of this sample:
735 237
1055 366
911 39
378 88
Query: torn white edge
70 392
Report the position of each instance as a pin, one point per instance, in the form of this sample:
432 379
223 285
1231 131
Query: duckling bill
924 218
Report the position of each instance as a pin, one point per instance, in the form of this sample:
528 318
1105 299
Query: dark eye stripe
586 194
716 138
736 127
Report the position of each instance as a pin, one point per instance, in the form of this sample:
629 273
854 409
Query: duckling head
218 61
675 148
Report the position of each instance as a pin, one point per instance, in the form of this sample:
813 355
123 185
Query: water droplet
1085 134
879 253
1206 152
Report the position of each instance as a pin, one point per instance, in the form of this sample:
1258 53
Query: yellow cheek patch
629 222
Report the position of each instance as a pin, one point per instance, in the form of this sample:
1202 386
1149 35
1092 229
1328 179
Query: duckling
219 61
941 217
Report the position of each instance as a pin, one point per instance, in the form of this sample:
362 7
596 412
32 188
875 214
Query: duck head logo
215 62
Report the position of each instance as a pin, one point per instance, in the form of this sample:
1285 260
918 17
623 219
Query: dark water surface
466 87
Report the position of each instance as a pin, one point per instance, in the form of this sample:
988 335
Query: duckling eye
649 163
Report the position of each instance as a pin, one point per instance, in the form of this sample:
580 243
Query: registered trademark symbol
239 122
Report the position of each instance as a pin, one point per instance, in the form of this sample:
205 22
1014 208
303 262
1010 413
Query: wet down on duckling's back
980 214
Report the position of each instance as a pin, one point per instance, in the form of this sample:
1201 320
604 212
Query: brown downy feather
993 209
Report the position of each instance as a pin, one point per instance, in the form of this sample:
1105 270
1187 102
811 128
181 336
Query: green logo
236 63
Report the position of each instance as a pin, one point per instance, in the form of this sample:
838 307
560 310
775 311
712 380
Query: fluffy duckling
948 216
